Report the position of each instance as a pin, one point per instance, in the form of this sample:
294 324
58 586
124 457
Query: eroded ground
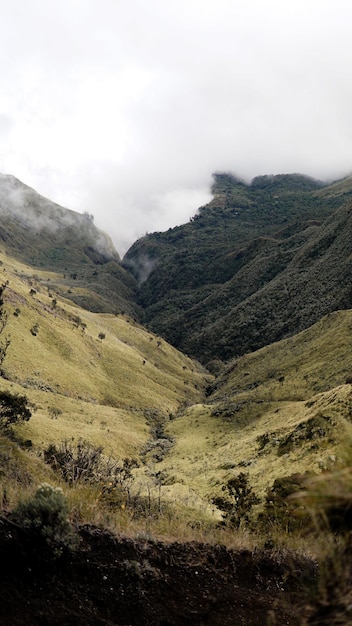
117 581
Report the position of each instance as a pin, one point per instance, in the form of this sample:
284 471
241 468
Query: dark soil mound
111 580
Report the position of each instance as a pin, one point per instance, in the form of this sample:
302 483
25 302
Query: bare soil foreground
117 581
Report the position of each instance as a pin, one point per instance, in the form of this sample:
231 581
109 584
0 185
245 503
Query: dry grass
101 388
106 390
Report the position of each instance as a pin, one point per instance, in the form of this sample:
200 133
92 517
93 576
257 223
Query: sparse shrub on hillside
282 509
88 217
101 336
13 409
239 501
215 366
76 462
35 330
54 412
116 491
4 346
3 314
76 320
17 312
44 517
85 462
263 440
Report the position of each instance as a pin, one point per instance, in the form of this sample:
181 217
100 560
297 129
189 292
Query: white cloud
125 109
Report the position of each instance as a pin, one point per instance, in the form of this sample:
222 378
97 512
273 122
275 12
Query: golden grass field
284 409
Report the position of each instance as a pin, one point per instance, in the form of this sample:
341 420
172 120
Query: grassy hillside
100 377
259 263
47 236
143 440
283 409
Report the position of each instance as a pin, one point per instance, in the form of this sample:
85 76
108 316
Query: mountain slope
97 376
315 280
258 263
282 410
105 379
45 235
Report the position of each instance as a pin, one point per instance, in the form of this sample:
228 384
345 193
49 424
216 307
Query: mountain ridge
251 246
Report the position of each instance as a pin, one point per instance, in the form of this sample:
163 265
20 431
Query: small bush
263 440
54 412
281 509
44 516
79 462
239 502
35 330
13 409
85 463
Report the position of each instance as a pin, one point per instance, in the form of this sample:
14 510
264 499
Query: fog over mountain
125 110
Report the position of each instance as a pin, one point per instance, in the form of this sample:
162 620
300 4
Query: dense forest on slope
260 262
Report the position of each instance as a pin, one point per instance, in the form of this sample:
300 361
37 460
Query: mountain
47 236
104 378
259 263
129 436
94 367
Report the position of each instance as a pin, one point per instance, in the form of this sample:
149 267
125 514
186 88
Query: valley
151 394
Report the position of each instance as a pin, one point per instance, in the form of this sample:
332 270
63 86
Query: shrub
13 409
54 412
263 440
35 330
239 502
84 462
76 462
44 517
282 508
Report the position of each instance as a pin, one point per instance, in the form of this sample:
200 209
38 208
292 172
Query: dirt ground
118 581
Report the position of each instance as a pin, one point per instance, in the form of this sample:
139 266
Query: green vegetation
49 237
259 263
44 518
239 501
137 437
13 410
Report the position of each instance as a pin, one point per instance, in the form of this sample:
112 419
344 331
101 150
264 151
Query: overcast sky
125 108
